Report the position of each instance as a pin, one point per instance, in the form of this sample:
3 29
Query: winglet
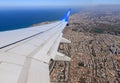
65 18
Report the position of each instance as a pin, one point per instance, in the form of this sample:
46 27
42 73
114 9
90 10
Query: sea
17 18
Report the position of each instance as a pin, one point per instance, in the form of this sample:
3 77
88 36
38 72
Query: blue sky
13 3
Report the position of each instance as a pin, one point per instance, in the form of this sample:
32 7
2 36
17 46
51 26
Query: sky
32 3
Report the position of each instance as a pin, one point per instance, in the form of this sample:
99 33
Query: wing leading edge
25 53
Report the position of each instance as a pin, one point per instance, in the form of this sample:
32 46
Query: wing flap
9 73
13 59
39 72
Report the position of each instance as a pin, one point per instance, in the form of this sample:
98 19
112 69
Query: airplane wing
25 53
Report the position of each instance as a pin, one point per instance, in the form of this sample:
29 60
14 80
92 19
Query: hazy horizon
57 7
56 3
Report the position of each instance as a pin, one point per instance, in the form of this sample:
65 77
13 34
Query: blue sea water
11 19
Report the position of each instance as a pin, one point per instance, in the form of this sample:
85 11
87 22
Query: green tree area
105 28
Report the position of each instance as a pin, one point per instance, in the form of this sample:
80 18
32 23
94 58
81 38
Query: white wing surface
25 53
